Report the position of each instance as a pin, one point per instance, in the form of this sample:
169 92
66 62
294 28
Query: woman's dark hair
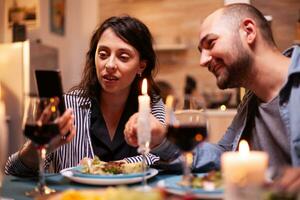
131 31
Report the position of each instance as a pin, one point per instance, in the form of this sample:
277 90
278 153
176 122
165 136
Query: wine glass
40 126
186 129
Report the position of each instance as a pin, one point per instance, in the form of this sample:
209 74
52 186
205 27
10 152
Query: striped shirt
72 153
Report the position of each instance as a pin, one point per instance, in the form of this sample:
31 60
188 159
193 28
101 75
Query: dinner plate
171 185
77 171
118 179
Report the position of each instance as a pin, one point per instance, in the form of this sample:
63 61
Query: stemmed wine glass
40 126
186 129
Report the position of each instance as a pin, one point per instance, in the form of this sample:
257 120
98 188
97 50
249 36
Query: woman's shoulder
77 95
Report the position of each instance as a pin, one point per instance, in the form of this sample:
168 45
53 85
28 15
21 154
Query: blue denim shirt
207 157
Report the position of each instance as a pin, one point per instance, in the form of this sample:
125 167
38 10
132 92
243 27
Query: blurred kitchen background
57 34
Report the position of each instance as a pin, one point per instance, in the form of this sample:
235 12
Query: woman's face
117 63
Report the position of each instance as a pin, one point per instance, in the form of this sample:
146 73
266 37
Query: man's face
222 51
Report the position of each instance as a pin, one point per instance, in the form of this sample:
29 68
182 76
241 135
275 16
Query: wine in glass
186 130
40 126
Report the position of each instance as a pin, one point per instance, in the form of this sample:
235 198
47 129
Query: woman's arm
25 161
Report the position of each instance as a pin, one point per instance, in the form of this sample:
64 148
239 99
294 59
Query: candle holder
144 150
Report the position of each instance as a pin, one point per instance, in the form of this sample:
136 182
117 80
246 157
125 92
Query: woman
120 55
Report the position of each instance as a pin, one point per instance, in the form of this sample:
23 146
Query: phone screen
50 85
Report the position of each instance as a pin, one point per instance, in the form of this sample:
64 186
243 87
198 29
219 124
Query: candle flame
244 147
169 101
189 158
0 92
144 87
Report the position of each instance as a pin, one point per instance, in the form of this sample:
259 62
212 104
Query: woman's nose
110 65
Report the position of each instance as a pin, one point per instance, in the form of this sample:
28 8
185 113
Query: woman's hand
67 130
28 154
157 131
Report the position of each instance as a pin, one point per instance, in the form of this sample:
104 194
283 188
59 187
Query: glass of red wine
186 129
40 126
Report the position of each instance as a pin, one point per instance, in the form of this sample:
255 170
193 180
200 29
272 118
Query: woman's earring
140 74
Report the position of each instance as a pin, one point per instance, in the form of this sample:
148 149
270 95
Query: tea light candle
143 123
243 169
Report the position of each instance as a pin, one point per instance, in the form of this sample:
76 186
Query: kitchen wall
81 20
285 15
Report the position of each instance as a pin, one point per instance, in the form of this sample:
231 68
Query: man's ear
249 28
143 65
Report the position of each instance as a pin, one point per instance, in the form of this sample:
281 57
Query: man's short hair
239 11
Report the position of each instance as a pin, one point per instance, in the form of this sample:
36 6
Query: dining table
14 188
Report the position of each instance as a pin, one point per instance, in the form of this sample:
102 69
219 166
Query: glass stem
42 157
188 159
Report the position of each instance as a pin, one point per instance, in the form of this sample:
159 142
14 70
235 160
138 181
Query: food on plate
210 181
120 193
96 166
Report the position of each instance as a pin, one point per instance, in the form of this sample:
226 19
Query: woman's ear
249 29
143 65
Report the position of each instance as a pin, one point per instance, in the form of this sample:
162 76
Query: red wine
41 135
186 137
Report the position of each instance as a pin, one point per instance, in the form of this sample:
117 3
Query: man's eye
212 44
209 44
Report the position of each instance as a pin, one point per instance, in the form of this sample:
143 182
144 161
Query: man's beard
235 73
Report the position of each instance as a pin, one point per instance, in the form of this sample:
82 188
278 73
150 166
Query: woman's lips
110 78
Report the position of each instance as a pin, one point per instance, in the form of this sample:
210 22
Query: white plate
106 180
170 184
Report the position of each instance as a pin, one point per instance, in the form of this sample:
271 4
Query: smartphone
49 84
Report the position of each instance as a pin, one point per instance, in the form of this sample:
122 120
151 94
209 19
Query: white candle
2 106
3 136
143 126
243 169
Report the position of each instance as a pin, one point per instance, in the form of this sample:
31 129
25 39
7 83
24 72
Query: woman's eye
102 54
124 57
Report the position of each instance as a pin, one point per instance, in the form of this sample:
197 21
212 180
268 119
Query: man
237 46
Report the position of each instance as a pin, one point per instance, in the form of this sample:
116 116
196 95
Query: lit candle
143 124
2 107
3 135
243 172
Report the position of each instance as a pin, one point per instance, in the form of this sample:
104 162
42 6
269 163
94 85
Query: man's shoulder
289 51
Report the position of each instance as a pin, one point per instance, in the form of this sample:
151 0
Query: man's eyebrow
205 39
202 41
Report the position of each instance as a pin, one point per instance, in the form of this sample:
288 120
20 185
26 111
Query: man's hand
289 182
157 131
